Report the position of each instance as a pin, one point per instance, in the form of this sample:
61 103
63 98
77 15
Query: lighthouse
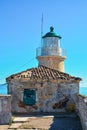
50 54
44 88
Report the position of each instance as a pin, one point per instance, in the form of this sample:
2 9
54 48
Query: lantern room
50 45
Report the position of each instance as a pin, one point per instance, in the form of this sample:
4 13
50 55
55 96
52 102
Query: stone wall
5 109
82 107
51 96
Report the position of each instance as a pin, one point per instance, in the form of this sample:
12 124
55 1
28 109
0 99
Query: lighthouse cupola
51 43
50 54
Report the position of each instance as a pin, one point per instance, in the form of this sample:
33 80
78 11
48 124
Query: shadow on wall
66 122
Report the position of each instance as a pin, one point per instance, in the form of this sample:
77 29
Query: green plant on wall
10 122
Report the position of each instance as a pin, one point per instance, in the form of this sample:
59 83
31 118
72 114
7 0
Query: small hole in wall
71 85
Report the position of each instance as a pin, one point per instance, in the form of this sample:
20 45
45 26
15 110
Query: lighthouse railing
40 51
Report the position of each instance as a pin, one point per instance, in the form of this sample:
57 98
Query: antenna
41 28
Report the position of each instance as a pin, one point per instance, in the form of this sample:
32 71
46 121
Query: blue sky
20 34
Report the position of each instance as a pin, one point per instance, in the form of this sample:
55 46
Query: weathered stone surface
82 109
5 109
48 93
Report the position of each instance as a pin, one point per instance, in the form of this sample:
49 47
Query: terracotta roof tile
43 72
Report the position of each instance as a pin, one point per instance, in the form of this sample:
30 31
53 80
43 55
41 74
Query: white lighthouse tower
50 54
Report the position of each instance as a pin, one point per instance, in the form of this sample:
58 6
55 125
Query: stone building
45 88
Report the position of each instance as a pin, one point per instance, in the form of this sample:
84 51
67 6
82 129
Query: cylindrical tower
50 53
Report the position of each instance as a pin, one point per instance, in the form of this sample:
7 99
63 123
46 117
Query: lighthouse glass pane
29 97
50 41
50 46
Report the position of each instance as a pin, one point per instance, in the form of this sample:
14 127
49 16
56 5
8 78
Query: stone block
5 109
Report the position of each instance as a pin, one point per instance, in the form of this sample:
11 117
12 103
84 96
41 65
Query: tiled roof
43 72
